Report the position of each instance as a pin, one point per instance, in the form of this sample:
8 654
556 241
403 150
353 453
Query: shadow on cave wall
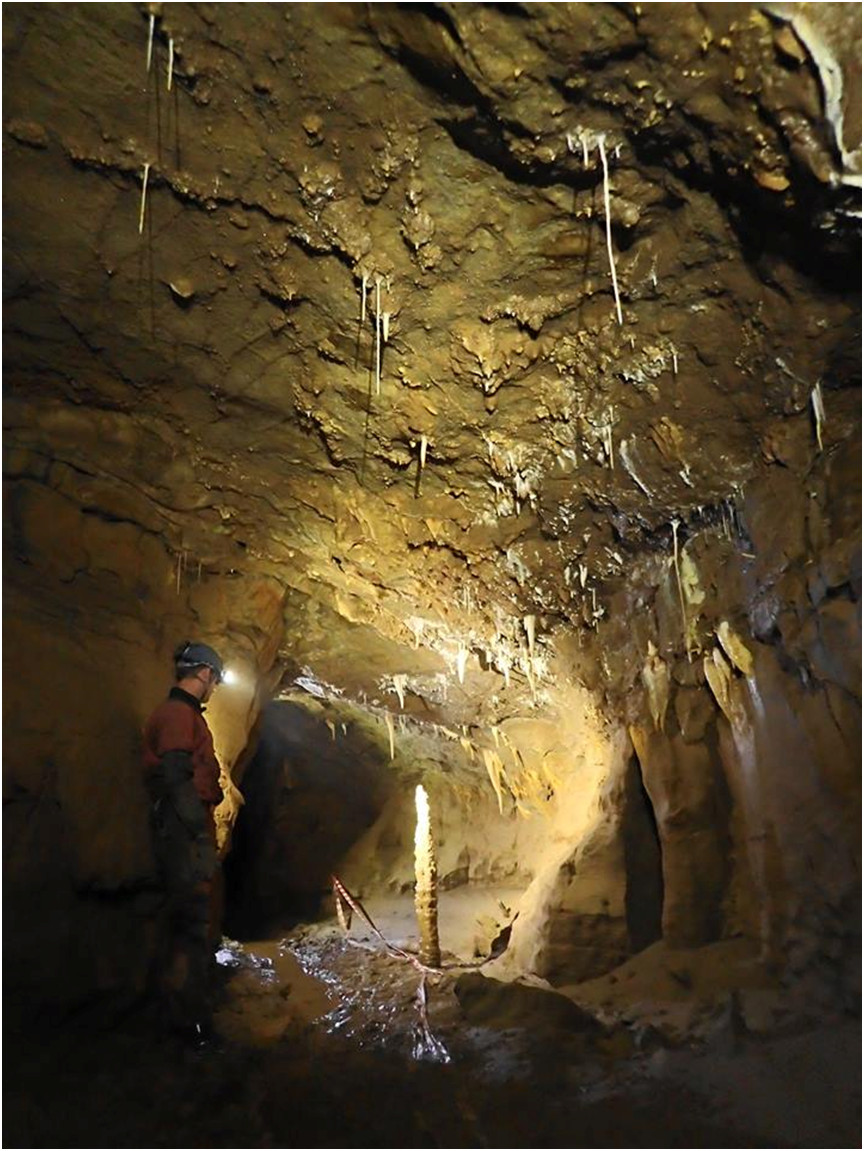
309 798
642 862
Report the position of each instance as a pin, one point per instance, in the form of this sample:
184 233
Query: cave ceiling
210 375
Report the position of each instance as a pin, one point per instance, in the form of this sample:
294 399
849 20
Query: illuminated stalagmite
426 891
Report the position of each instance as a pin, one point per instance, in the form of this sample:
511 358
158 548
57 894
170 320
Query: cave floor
320 1044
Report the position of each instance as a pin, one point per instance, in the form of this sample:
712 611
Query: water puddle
268 994
317 980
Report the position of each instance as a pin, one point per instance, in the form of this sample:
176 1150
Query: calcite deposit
312 352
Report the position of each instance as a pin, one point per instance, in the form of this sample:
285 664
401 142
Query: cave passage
308 799
480 385
643 861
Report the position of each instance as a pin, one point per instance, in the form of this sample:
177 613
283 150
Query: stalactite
388 719
818 412
143 198
495 769
150 42
675 525
530 623
602 146
377 335
400 682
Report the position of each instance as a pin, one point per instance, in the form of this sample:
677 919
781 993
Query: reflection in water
378 1004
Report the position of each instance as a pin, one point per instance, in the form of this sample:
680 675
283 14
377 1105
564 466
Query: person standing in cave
183 779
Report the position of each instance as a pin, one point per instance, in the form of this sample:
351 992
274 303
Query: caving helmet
190 655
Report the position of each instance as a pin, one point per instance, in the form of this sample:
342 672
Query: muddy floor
321 1042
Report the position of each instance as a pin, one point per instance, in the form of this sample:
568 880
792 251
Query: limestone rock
195 443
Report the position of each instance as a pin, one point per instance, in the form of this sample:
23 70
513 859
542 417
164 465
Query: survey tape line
343 896
341 892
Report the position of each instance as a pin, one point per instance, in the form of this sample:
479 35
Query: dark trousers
184 838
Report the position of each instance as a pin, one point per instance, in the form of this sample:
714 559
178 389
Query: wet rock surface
484 382
318 1043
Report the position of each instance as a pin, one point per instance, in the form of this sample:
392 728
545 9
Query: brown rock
28 132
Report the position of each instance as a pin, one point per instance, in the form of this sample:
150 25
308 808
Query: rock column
426 890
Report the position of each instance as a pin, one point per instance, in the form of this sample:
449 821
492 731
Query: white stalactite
530 623
143 198
602 146
391 731
377 335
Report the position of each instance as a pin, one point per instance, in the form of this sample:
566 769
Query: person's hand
231 794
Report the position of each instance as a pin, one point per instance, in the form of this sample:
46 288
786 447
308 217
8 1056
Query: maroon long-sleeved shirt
177 724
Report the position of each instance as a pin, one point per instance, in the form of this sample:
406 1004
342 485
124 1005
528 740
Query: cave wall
93 608
572 844
747 748
311 790
750 748
669 492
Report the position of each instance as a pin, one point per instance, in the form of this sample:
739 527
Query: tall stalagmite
426 873
626 484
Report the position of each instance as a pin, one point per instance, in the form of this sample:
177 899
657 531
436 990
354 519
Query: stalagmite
426 874
674 844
